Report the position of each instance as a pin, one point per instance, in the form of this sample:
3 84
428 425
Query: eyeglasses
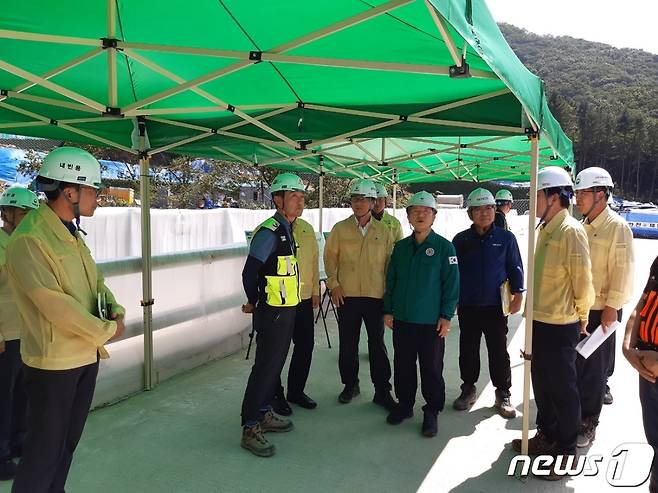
97 191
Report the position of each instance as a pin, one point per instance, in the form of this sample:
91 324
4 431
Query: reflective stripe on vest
649 319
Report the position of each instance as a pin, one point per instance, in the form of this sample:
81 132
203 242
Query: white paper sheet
592 342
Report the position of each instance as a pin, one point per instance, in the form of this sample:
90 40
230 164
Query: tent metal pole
534 141
321 200
147 293
395 190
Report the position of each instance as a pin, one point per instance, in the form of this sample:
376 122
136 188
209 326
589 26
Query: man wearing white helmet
422 289
355 258
563 295
488 257
271 282
58 288
611 250
379 213
15 203
504 203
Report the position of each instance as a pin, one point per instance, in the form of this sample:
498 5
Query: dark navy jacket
485 262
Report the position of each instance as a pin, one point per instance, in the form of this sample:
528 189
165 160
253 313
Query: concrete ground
184 436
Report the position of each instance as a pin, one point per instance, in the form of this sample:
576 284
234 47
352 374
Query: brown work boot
272 422
255 442
587 433
537 445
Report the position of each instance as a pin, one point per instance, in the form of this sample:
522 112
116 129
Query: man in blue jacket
422 288
488 256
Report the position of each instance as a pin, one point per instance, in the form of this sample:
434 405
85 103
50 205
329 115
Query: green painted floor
184 436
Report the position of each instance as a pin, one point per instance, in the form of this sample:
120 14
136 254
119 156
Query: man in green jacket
422 290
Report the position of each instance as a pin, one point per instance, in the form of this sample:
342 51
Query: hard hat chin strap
76 211
594 204
543 216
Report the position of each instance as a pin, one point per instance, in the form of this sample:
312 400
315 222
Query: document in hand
506 297
592 342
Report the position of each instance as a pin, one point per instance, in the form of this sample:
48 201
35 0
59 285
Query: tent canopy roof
260 81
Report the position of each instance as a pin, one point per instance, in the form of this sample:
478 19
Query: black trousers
555 382
58 405
274 327
490 321
593 371
350 315
303 338
13 401
422 342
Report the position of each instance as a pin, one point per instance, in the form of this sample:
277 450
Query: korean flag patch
452 260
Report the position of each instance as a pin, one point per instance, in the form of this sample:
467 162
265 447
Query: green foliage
606 99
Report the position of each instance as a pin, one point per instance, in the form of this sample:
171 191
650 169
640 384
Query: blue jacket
485 262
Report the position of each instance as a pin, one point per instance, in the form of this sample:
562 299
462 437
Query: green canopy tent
258 81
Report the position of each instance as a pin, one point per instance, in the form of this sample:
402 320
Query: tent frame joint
150 302
531 133
53 122
110 43
301 104
404 118
526 356
113 111
143 155
4 92
462 71
255 56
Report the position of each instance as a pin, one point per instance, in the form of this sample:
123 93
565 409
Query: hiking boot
466 399
349 393
607 397
504 408
280 405
398 415
272 422
540 444
385 399
587 434
7 469
302 400
430 425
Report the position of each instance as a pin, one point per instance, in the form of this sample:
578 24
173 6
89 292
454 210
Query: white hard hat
504 196
593 177
72 165
422 198
363 187
19 197
553 177
480 196
381 191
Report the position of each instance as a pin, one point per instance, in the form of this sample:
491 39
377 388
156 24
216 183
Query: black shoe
349 393
7 469
302 400
385 399
398 415
280 406
607 397
465 400
430 424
